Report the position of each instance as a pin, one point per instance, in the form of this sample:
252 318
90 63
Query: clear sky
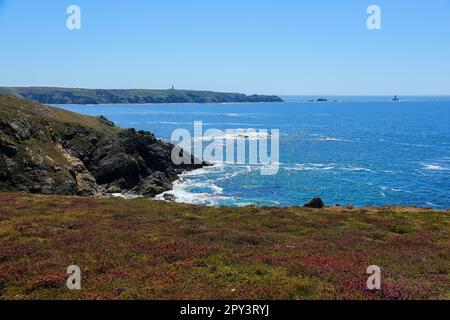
250 46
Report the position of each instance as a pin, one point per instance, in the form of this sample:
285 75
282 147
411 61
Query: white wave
242 134
230 175
435 167
356 169
202 171
384 189
325 167
312 167
183 188
332 139
400 190
246 203
415 145
127 196
183 194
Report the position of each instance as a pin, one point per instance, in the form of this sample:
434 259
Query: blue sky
253 46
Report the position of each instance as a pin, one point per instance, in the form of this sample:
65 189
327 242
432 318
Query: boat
396 99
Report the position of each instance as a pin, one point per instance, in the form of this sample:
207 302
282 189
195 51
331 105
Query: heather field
143 249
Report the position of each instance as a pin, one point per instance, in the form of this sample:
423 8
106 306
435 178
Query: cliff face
51 151
99 96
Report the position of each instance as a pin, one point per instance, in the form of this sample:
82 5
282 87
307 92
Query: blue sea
361 151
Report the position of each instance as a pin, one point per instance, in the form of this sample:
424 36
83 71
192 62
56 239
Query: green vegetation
97 96
11 108
143 249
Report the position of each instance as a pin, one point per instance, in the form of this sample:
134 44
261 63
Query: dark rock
67 187
116 166
155 184
7 148
22 129
315 203
104 120
170 197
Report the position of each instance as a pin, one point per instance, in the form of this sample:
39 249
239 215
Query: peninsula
52 95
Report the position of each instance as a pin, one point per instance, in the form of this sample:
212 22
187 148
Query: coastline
213 194
81 96
179 194
49 150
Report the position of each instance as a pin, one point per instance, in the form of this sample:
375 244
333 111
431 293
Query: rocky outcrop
85 181
51 151
315 203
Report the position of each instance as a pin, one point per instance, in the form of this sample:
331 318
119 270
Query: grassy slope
41 116
13 108
144 249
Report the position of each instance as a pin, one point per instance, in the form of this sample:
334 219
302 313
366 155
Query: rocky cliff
102 96
51 151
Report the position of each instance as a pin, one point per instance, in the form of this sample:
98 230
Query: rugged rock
7 148
170 197
315 203
51 151
106 121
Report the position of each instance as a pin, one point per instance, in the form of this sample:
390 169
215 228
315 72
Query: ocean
361 151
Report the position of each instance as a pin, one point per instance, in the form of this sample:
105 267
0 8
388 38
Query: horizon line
243 91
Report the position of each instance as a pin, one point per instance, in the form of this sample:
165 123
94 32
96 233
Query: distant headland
54 95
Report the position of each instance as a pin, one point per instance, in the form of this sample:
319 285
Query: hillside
98 96
52 151
143 249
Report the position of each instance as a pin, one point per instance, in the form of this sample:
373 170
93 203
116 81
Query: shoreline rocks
80 155
316 203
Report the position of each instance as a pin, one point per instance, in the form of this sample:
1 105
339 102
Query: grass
16 108
143 249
